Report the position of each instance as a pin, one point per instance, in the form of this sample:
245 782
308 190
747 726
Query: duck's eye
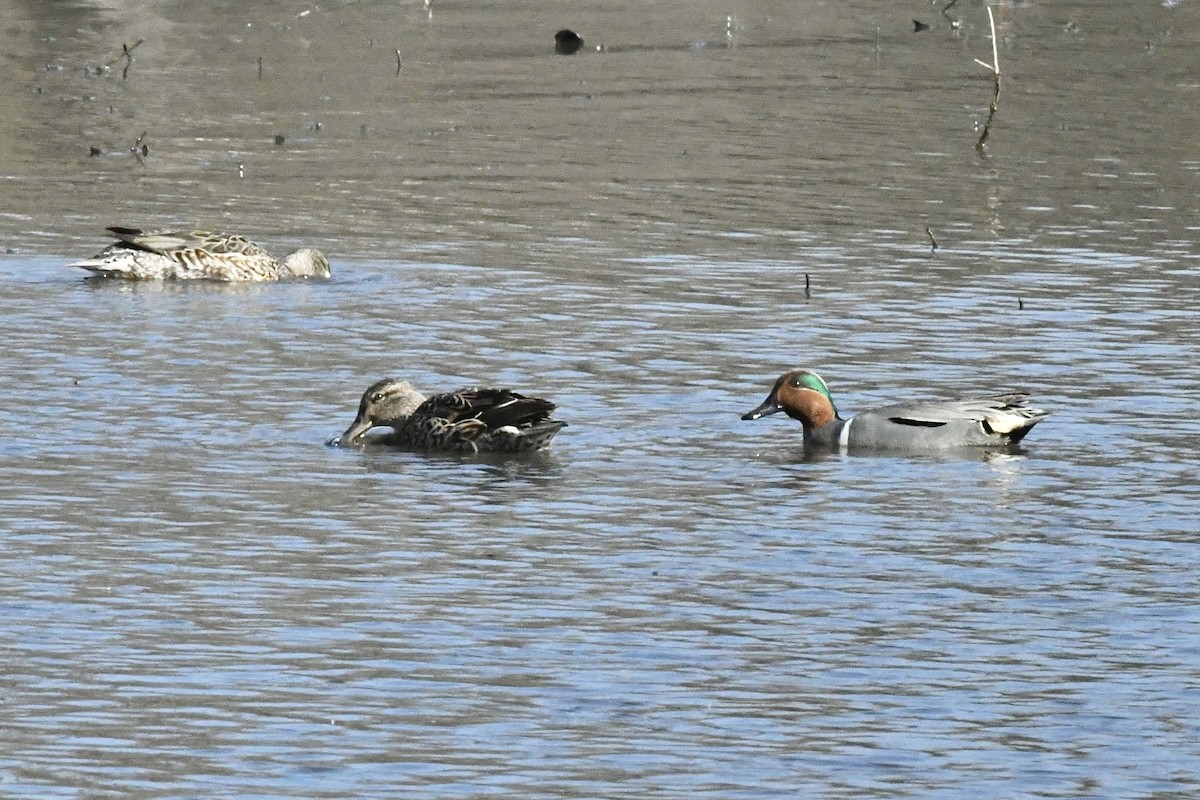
375 398
798 383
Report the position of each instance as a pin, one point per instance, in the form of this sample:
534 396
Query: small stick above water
995 69
127 54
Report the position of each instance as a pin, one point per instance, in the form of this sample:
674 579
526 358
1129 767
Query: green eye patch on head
803 379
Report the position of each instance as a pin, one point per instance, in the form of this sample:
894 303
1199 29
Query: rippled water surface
198 598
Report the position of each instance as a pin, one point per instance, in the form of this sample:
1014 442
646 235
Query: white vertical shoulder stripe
844 436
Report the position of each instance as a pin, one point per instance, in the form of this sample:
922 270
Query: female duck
934 425
198 255
469 420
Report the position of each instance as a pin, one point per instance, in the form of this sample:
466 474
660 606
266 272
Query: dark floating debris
919 27
932 241
279 139
1020 304
93 151
260 68
399 61
807 287
139 149
567 42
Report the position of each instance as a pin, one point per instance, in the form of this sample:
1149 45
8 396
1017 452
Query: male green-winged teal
930 425
198 255
470 420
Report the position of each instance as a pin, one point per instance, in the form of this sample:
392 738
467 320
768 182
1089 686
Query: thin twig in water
128 51
127 54
932 241
399 63
954 23
995 65
807 287
995 69
260 68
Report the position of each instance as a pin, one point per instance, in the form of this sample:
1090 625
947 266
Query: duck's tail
1012 418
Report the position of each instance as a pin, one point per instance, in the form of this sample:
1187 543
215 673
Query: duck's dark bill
768 407
355 432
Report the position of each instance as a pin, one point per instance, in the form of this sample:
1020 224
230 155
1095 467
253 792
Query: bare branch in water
994 67
127 54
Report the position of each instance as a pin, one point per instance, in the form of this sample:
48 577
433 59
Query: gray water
198 598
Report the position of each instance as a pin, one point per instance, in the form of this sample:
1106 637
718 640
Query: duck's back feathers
495 408
481 419
170 243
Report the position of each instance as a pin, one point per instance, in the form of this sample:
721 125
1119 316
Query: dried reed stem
994 67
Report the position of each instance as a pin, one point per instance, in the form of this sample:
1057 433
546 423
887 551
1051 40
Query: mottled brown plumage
198 255
470 420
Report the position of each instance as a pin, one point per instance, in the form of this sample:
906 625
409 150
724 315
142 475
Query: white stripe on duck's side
844 436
